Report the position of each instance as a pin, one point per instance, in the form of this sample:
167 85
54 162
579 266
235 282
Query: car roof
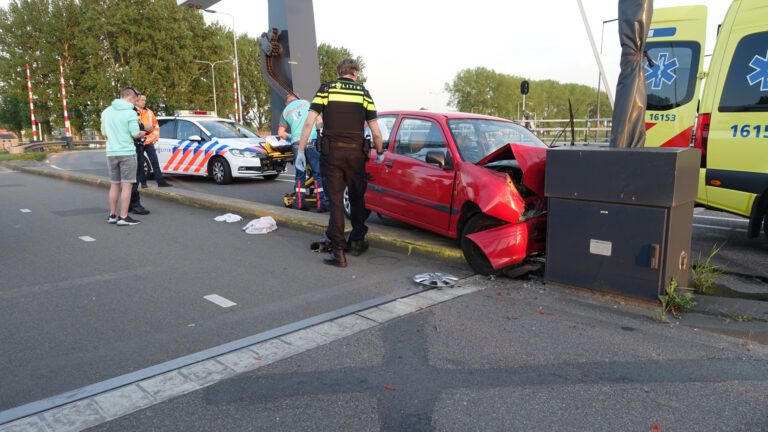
446 115
196 118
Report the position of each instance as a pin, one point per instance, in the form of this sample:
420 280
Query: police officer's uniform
345 106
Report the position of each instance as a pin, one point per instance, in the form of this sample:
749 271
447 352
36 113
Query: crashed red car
476 178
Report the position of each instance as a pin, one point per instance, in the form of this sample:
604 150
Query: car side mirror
436 157
194 138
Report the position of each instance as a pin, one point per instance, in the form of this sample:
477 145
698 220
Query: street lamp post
239 109
213 79
600 74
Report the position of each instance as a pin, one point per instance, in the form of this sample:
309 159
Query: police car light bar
195 113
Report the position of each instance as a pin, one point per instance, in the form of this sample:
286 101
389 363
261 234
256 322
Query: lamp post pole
213 79
239 105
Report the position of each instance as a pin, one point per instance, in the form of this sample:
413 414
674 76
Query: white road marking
721 218
87 239
25 210
719 227
698 210
289 181
219 300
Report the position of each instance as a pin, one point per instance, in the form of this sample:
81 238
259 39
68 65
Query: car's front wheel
220 171
472 253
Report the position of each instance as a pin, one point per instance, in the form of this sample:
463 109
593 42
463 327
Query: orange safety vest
146 116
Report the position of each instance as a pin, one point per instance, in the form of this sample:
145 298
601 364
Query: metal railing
557 132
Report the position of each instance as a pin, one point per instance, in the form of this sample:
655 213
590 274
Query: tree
329 57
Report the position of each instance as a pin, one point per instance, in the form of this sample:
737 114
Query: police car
199 143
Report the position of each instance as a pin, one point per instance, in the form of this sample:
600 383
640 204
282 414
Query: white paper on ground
229 217
261 225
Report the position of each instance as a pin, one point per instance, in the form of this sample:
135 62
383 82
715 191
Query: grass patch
674 302
38 156
727 317
703 273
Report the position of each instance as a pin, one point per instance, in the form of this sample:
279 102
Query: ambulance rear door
675 44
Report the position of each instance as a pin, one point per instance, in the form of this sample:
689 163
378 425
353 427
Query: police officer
345 106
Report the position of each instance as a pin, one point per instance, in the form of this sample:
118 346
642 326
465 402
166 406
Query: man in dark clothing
345 106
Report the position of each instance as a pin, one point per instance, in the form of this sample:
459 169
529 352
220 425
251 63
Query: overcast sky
411 48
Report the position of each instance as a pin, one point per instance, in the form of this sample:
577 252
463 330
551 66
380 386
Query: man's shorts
122 169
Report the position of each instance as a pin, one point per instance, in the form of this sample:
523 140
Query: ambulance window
746 85
671 82
167 129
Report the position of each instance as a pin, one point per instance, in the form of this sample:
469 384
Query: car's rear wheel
472 253
220 171
270 176
348 207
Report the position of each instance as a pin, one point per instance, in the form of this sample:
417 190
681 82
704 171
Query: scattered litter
256 358
390 387
261 225
499 293
545 313
25 210
229 217
656 428
435 279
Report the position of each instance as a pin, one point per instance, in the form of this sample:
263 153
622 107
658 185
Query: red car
475 178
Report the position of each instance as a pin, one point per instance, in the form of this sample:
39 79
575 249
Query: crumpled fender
504 245
492 191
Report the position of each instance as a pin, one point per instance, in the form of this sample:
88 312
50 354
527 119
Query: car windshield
477 138
227 129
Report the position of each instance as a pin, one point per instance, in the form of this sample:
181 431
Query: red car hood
531 160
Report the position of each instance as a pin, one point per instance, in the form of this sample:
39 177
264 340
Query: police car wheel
220 171
148 174
472 253
270 176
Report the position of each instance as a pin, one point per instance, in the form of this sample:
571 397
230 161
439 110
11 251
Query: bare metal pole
598 56
237 66
213 79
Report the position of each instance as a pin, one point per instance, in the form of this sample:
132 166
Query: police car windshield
226 129
477 138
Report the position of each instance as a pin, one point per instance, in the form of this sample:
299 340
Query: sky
411 49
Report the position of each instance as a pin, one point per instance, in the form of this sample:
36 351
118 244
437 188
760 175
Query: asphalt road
711 227
82 301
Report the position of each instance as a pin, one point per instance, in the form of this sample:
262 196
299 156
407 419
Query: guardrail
45 145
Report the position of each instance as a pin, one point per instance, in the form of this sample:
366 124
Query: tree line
484 91
152 46
104 45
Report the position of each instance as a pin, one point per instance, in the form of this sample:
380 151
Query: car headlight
244 153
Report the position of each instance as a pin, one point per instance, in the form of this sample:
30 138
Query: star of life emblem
760 75
661 72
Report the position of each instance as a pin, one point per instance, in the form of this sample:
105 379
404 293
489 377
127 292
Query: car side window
186 129
416 137
167 129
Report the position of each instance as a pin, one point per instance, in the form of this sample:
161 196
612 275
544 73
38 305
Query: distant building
7 139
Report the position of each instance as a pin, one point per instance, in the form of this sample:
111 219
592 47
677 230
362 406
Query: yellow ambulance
675 46
732 126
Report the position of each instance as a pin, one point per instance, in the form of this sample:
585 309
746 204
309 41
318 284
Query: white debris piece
261 225
229 217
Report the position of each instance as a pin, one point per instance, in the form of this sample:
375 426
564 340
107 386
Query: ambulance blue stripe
662 32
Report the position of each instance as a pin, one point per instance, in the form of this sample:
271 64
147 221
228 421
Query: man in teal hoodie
120 125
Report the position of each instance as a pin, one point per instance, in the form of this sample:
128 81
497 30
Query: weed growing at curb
703 272
674 302
728 317
38 156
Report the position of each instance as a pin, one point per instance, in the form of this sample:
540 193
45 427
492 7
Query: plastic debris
261 225
229 217
435 279
390 387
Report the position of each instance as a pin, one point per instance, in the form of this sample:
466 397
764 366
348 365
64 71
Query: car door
374 167
166 142
187 152
416 191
